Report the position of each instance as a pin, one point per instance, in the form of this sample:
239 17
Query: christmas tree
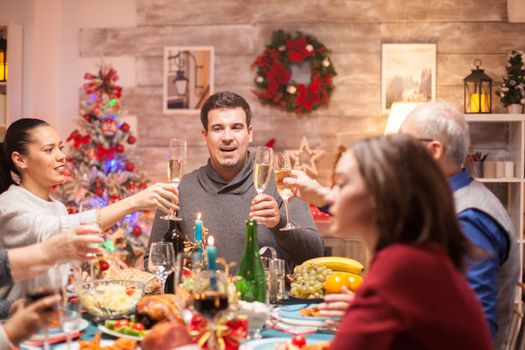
512 89
98 166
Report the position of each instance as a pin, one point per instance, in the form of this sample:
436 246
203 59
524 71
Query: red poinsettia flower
279 72
307 97
297 49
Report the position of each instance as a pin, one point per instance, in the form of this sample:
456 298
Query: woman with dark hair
32 151
391 193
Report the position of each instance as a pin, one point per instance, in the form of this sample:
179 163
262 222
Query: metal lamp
478 91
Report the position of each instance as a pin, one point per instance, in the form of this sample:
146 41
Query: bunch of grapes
308 281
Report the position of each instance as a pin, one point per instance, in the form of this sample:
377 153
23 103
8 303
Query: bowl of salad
110 299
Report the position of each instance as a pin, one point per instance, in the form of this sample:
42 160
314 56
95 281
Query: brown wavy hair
413 198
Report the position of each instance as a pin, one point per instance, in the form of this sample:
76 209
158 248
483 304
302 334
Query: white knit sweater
27 219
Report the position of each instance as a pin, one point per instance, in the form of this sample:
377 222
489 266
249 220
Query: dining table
269 336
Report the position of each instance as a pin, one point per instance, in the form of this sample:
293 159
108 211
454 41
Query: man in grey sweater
223 191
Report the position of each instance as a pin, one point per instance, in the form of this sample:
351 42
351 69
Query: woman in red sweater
391 193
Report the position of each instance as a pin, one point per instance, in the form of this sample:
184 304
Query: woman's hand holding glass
29 319
160 195
78 245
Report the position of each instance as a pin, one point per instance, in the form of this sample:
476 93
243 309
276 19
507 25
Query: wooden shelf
494 118
499 180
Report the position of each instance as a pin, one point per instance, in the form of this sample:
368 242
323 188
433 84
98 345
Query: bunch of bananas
326 274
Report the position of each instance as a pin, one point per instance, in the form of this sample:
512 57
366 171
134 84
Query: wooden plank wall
352 29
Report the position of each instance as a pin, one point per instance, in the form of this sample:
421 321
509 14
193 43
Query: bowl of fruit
316 277
110 299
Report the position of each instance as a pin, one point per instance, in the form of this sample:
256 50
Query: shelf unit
13 87
502 136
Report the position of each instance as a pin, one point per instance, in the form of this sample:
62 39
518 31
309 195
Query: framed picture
188 77
408 74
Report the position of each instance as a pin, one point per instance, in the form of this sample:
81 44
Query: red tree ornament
103 265
137 230
130 166
119 148
131 139
124 127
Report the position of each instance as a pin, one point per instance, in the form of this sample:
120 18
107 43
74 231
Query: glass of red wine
44 281
210 299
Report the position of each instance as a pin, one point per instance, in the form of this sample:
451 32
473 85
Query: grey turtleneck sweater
225 207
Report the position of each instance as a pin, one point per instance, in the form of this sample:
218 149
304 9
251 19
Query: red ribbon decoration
229 334
102 152
79 139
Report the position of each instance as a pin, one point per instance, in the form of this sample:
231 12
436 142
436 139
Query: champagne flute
161 260
282 168
90 202
43 282
263 168
176 161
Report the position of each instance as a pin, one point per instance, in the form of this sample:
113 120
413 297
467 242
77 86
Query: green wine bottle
252 286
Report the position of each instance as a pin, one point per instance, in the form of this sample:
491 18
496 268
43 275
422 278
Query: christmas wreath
274 82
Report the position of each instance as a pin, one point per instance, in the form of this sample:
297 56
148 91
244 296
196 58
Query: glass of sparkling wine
161 260
263 168
176 161
282 168
88 204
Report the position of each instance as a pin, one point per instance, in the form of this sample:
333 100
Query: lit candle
211 251
475 103
198 230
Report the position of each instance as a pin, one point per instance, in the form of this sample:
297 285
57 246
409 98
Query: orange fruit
335 282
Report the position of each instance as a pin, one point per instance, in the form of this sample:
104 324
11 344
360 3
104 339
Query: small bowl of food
109 299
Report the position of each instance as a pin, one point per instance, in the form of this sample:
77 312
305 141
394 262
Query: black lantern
478 91
181 83
3 59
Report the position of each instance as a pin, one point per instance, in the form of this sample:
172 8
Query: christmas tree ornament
304 158
130 166
131 139
124 127
119 148
87 117
103 265
108 127
137 231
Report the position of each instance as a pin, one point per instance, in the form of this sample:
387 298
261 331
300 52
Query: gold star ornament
304 158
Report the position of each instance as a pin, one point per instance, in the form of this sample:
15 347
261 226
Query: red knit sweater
413 298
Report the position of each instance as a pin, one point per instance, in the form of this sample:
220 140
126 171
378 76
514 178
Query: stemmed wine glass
176 161
43 282
70 316
210 299
263 168
282 168
161 260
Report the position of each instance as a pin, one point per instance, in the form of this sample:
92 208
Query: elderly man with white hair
486 223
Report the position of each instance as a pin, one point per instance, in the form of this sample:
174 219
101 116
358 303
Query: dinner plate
117 334
76 346
57 334
271 343
291 314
